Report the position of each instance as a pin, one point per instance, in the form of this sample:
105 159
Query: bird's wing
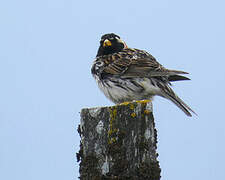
177 78
137 63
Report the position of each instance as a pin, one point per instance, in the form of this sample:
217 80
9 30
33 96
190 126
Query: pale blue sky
46 52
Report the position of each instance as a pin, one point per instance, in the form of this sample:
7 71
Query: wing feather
132 63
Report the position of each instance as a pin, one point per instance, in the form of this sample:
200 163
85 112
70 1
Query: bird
126 74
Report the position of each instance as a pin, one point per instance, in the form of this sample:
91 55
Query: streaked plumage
126 74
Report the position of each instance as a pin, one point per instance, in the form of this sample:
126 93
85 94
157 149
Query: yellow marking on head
107 43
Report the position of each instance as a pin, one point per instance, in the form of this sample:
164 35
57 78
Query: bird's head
110 43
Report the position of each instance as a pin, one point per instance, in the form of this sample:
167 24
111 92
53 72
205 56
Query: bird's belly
120 90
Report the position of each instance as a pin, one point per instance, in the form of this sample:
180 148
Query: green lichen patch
133 114
112 132
146 111
132 107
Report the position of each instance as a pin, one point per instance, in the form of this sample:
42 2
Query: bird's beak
107 43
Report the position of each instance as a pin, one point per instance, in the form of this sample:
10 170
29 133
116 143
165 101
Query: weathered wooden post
119 143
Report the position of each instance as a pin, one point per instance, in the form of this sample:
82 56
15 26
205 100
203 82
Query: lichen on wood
118 142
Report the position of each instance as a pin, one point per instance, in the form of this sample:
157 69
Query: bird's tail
169 94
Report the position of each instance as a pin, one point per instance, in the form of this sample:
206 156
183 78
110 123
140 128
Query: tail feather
177 78
177 101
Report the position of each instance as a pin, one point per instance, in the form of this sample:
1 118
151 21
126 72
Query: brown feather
136 63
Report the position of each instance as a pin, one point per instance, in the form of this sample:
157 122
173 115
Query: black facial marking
115 47
108 36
